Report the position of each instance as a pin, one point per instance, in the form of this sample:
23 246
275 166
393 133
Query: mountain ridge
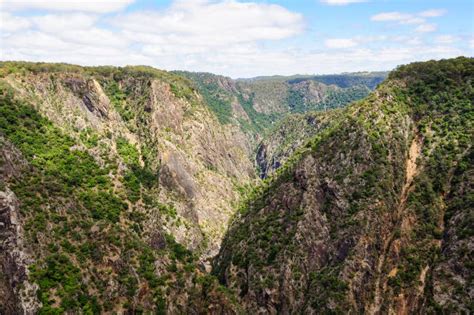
354 220
122 190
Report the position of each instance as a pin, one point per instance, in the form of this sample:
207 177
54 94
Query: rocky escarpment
117 185
451 284
301 93
288 135
18 292
149 117
357 219
127 183
118 159
256 104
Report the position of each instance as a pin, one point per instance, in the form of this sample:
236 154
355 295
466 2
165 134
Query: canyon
137 190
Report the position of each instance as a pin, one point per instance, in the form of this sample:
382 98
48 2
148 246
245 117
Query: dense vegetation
342 226
369 79
349 182
84 213
219 101
441 95
266 100
220 98
298 103
289 134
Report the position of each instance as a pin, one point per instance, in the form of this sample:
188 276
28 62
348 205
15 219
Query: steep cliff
127 183
147 123
17 290
117 186
256 104
366 217
289 134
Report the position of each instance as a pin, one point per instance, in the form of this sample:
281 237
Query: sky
238 38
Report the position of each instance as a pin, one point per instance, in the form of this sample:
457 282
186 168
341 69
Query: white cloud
373 38
206 23
413 20
98 6
402 18
187 35
426 28
390 16
407 18
226 37
419 19
10 23
53 23
408 40
341 2
340 43
445 39
40 46
432 13
237 60
78 28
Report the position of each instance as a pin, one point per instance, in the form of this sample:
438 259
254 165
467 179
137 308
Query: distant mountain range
256 104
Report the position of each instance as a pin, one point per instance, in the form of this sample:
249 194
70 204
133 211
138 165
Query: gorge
137 190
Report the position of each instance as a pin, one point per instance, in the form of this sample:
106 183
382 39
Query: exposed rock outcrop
17 291
287 136
117 185
357 220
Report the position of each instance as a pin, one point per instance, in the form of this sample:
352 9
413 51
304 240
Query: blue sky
238 38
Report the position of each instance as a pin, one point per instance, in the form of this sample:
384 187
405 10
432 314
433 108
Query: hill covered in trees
258 103
373 214
136 190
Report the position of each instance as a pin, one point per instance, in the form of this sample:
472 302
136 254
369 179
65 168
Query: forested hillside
136 190
257 104
106 181
374 213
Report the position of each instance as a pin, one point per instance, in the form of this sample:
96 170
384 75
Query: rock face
198 159
288 135
366 217
17 291
126 183
117 186
302 93
452 283
256 104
